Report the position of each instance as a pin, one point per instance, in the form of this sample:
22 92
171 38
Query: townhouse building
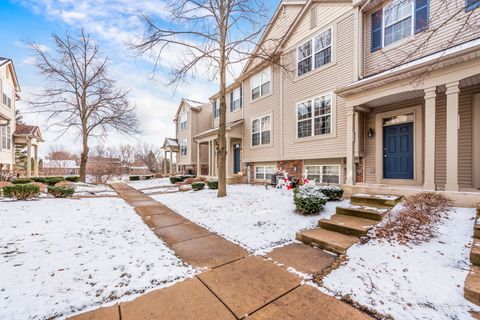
367 93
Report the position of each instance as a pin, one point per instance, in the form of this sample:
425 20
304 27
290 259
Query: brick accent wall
359 171
294 168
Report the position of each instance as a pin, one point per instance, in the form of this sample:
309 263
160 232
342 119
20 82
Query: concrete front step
352 226
362 212
327 240
471 290
475 252
476 230
380 201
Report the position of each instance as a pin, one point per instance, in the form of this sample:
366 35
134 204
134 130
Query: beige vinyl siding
230 116
403 50
315 83
6 156
266 105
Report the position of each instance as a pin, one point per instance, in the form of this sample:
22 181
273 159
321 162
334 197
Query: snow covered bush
415 221
212 184
198 186
175 179
332 192
21 191
309 199
60 192
134 178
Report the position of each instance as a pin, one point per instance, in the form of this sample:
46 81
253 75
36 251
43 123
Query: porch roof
27 131
213 131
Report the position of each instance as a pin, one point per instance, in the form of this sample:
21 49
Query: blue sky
112 23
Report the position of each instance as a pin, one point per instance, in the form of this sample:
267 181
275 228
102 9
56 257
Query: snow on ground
58 256
252 216
164 189
152 183
93 189
416 282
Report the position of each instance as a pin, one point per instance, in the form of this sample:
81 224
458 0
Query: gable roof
192 104
23 130
170 143
9 63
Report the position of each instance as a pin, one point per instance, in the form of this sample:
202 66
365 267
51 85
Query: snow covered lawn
252 216
88 189
59 256
147 184
416 282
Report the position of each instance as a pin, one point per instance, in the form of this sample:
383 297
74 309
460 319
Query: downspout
282 147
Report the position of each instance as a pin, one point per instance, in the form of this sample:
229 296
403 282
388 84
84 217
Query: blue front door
236 158
398 151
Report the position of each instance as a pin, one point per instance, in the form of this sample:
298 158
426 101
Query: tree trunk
84 160
221 140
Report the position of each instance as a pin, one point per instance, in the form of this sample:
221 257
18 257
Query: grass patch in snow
60 256
258 219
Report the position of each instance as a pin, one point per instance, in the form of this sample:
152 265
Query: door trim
417 150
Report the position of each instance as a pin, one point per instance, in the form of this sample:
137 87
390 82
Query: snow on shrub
212 184
416 219
60 192
175 179
332 192
309 199
21 191
198 186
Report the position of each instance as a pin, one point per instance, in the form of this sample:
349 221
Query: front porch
26 137
406 136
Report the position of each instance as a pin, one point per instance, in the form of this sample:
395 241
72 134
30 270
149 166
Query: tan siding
396 53
441 140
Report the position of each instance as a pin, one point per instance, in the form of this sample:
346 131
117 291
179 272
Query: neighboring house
12 134
192 117
370 94
59 167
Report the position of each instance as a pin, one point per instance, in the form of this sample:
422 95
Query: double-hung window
216 108
236 99
261 131
315 52
264 172
6 134
314 116
183 148
260 83
183 121
323 173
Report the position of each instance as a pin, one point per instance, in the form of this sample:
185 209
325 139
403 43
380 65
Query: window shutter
376 32
421 15
231 101
241 96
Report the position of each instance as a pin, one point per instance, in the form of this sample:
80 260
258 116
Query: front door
236 158
398 151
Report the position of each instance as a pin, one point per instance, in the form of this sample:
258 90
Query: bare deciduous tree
149 155
213 37
80 94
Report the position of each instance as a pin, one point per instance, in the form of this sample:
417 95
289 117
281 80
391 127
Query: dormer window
260 83
236 99
183 121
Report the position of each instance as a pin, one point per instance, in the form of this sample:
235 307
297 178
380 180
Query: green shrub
21 191
212 184
21 180
51 181
198 186
39 179
176 179
60 192
72 178
134 178
309 199
148 177
332 192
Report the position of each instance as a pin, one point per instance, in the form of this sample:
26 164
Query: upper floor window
183 148
314 117
260 83
398 20
236 99
183 121
315 52
6 134
261 131
471 4
216 108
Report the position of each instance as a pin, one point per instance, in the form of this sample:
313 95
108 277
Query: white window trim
264 172
251 131
262 95
412 25
320 166
184 122
332 117
312 55
217 104
184 145
240 99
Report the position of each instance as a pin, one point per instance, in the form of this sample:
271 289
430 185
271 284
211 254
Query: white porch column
351 147
209 159
165 162
452 136
199 171
227 162
429 181
35 168
171 162
29 158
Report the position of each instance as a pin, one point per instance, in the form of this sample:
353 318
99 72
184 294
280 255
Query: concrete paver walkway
237 286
